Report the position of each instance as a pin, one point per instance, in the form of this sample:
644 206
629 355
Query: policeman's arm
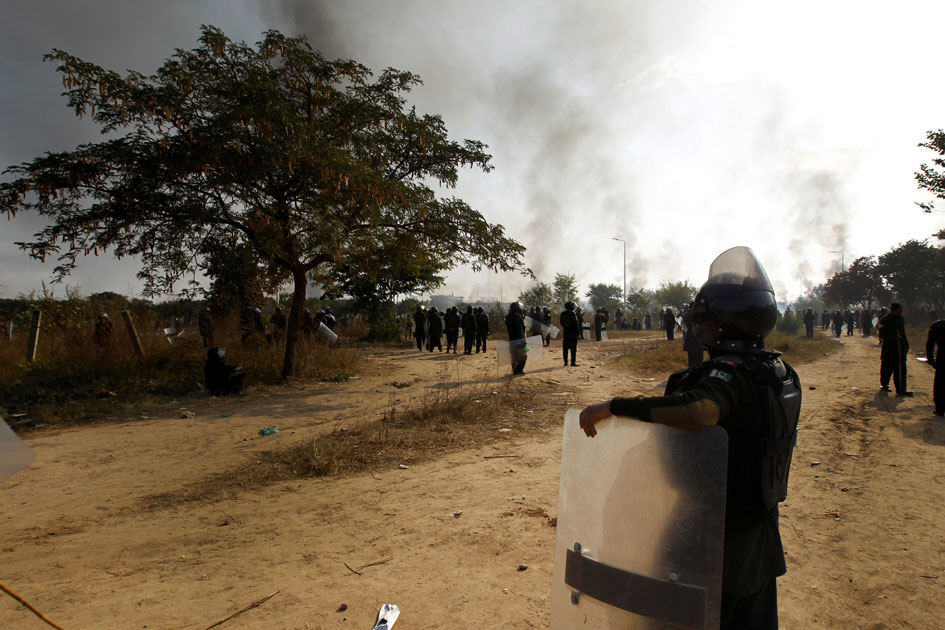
690 411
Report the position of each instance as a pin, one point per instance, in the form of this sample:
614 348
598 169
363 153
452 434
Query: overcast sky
682 127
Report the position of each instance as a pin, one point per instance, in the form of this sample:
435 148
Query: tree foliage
932 178
315 164
915 273
538 294
564 288
674 294
860 285
604 296
639 301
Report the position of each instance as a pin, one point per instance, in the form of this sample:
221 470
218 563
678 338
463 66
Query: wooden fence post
132 333
34 337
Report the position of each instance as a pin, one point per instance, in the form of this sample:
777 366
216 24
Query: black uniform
742 385
420 327
222 378
809 323
515 324
569 335
435 327
469 330
482 330
892 334
669 323
933 350
451 322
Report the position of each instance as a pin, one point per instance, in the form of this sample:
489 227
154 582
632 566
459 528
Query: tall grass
73 379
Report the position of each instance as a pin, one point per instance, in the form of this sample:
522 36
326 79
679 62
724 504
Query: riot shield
327 334
14 454
546 329
517 349
641 511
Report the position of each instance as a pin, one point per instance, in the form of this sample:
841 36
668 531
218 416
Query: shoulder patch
722 375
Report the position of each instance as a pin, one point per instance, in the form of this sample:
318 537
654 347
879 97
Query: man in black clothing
469 330
748 391
850 320
809 323
648 320
933 351
892 334
451 323
669 323
546 320
482 329
435 329
515 324
420 326
222 378
569 330
866 322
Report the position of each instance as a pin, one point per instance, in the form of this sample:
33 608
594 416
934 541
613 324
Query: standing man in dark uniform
451 323
482 329
435 328
669 323
515 324
866 322
850 321
933 351
756 398
648 320
569 328
469 330
892 334
420 326
809 323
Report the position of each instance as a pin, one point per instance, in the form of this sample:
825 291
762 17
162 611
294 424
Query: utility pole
624 267
839 251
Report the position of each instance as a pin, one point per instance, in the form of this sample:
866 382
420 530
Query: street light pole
624 267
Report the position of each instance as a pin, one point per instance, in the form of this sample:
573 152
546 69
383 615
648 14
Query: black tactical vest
759 454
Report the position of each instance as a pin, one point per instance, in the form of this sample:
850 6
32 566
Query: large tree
316 164
564 288
861 284
674 294
604 296
538 294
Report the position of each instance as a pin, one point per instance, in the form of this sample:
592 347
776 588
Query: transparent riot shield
529 348
14 454
641 511
327 334
546 329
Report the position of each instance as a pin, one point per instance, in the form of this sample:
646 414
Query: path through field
444 540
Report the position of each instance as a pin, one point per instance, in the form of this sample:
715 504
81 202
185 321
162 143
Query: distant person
469 330
692 346
598 324
482 330
205 327
103 331
825 319
933 352
515 324
570 327
809 323
222 378
669 323
850 321
451 325
892 334
278 324
579 313
648 321
258 322
420 326
837 319
866 322
435 329
636 323
546 320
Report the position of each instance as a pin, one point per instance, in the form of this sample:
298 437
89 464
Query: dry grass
443 421
73 380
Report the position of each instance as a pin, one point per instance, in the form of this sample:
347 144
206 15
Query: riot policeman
755 397
451 324
515 324
420 326
482 329
469 330
570 328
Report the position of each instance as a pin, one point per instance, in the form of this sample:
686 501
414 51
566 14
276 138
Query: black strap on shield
665 600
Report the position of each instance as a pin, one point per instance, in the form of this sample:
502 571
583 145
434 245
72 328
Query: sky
681 127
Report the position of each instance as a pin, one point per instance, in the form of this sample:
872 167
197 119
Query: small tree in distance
314 164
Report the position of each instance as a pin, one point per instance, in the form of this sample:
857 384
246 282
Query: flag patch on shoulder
721 375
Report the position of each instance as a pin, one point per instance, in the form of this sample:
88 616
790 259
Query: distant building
443 302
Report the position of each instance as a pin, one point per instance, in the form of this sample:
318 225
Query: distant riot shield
518 349
546 329
603 335
327 334
551 330
641 511
14 454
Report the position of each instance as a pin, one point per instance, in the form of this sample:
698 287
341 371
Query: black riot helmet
569 305
515 307
735 309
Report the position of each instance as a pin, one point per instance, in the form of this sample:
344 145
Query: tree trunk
293 338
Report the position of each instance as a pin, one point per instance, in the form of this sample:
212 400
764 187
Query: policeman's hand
592 415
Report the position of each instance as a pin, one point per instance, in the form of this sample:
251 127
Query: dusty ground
862 526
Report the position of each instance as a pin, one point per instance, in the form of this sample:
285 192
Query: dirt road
444 540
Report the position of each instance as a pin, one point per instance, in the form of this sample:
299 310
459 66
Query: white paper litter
386 617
